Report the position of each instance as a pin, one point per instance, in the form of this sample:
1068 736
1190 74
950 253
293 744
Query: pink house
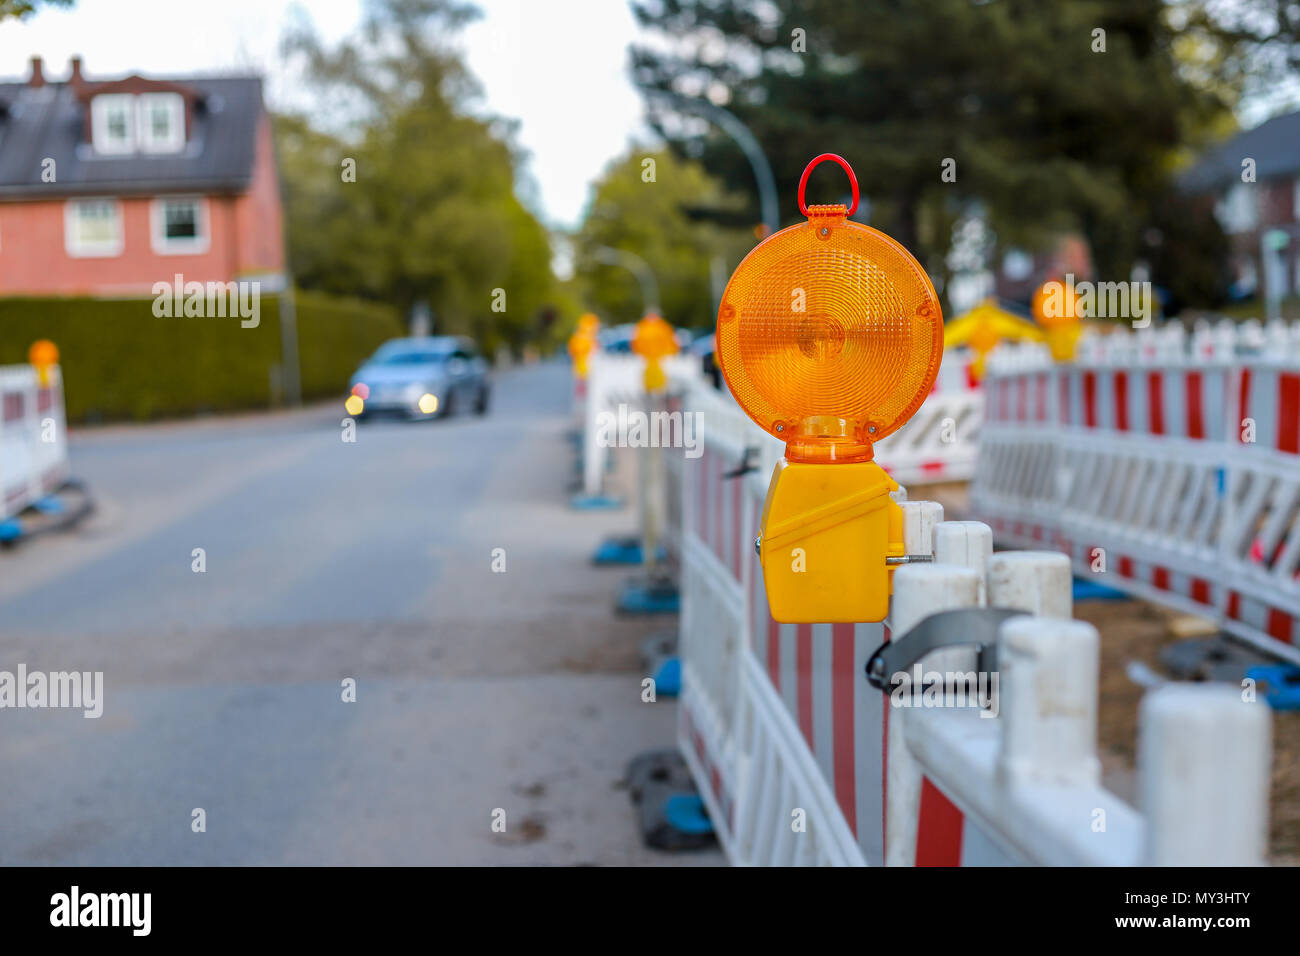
109 186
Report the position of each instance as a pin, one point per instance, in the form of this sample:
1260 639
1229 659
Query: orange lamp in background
654 340
830 337
1056 308
44 355
582 343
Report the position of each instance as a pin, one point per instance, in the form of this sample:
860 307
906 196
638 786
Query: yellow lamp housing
830 337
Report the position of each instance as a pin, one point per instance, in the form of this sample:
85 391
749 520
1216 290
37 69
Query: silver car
424 378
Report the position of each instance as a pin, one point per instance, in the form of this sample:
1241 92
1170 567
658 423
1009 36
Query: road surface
479 693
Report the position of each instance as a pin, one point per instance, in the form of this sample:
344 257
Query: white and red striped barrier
801 761
33 439
1168 464
941 441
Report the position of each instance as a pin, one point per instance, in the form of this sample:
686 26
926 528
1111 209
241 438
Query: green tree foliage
1048 133
22 8
654 220
405 196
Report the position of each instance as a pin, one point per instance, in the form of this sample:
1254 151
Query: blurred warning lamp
43 355
354 405
830 336
654 340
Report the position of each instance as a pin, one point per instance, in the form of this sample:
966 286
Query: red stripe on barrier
1022 399
774 652
803 679
1126 567
1160 578
1243 397
1042 397
1200 590
13 406
1195 414
1064 411
938 837
737 526
1090 399
718 510
1121 401
44 399
931 467
844 679
1156 402
1279 625
971 380
1234 605
1288 412
884 760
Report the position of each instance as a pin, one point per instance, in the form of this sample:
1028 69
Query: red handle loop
844 163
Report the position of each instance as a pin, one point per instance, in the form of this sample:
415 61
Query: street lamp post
748 144
639 268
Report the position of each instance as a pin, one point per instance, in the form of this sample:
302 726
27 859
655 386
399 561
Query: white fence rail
1165 463
33 440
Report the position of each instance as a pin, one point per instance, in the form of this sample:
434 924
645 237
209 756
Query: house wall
245 237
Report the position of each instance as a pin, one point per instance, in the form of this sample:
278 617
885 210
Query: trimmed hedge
120 361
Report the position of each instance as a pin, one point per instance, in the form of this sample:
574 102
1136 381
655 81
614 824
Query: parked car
424 377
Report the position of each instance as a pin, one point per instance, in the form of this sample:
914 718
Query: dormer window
113 121
162 122
123 123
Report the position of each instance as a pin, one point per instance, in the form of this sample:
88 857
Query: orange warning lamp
582 343
44 355
830 336
1056 307
654 340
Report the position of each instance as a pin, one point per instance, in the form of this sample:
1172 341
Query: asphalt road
477 691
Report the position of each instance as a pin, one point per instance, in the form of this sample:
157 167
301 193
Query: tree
22 8
1047 132
406 197
642 204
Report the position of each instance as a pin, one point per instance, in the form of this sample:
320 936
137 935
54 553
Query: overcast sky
560 66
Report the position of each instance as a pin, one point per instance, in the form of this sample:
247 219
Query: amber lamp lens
830 336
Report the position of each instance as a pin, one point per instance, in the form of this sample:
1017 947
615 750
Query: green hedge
120 361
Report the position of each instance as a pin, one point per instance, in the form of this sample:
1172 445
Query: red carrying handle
844 163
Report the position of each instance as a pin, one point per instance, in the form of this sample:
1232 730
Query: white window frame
91 250
99 109
144 136
178 247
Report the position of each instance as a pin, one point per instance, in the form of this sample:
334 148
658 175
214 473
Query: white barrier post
1203 761
919 591
1048 699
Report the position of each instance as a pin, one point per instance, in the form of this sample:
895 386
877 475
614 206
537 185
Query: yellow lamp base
826 532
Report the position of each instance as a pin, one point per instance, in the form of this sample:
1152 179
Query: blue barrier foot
50 505
624 550
595 502
11 529
672 815
668 678
1092 591
1280 683
653 597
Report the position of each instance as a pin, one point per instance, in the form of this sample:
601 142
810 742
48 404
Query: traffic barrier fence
33 437
801 761
1166 462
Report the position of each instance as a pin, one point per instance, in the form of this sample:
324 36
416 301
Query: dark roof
50 121
1273 145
